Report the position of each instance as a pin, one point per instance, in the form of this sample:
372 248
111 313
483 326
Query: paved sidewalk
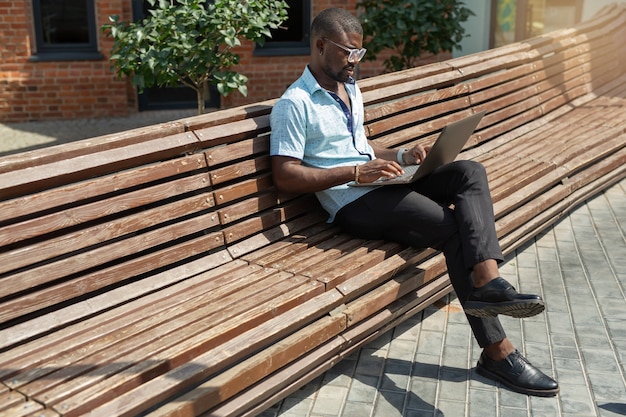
425 367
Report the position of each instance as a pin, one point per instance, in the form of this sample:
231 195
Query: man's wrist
400 156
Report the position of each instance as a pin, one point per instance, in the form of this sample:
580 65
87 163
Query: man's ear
319 45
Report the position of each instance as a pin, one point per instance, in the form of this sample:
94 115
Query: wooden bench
158 272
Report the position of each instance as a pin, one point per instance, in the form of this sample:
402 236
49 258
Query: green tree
411 27
191 42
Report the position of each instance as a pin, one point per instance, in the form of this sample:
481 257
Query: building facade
54 59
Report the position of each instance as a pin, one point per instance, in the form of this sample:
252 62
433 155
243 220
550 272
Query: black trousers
449 210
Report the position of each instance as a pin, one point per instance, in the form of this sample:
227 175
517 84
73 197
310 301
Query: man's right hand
377 168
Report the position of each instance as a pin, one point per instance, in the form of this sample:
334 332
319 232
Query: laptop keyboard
408 173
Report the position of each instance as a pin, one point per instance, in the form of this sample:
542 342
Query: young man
318 145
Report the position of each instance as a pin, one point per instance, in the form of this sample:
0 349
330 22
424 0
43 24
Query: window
292 38
65 30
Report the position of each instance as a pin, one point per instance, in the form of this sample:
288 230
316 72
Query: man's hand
416 155
373 170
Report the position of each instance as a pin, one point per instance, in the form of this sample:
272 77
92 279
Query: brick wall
56 89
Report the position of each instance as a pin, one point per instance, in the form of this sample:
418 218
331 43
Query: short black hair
335 21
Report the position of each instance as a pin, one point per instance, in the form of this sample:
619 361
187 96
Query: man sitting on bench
318 144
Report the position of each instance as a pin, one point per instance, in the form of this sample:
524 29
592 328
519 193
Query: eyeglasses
354 55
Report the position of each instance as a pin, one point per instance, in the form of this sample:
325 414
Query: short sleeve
288 135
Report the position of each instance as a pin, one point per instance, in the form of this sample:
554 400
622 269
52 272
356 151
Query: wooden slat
94 281
369 86
281 251
228 115
410 118
232 132
168 349
89 146
391 108
272 389
98 311
235 171
382 296
244 149
274 234
32 205
200 367
201 310
22 410
11 399
243 188
268 219
34 178
218 389
367 280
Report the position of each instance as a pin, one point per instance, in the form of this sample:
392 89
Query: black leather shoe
518 374
499 297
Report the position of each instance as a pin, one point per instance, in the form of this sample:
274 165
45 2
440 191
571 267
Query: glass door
515 20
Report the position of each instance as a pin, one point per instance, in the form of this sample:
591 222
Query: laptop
445 150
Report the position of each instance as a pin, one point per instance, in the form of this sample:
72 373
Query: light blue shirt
309 124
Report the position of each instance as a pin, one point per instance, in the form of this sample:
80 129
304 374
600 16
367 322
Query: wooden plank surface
34 178
29 206
94 281
86 234
148 359
193 372
88 146
216 390
96 312
70 339
200 309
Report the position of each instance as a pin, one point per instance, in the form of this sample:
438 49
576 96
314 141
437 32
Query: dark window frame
68 51
290 48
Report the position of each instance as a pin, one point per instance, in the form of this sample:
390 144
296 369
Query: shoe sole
510 308
522 390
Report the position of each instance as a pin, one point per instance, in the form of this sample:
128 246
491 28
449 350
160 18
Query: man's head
336 46
334 22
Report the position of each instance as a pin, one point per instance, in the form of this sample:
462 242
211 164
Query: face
336 65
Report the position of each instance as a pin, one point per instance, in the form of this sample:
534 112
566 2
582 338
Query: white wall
477 27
